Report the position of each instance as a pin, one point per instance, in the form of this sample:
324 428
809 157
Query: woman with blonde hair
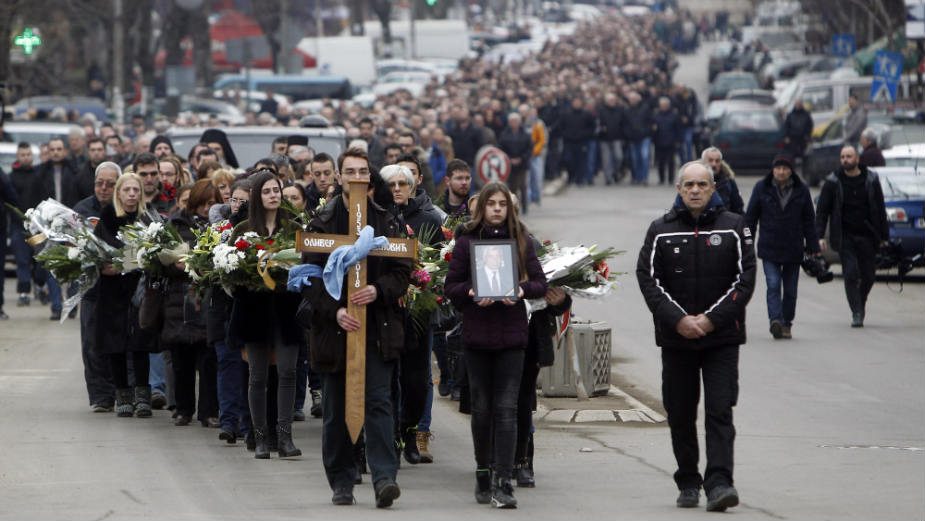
222 179
118 334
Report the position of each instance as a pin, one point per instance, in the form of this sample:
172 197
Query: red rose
448 257
269 242
447 233
226 226
241 244
260 247
409 230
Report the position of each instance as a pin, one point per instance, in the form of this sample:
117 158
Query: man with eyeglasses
388 281
100 388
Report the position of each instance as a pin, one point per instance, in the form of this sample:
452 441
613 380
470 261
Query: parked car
750 137
36 132
46 104
711 119
413 82
904 197
252 99
728 81
295 86
760 96
912 154
202 107
722 59
251 144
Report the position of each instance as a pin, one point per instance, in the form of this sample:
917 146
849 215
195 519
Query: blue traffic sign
888 67
843 45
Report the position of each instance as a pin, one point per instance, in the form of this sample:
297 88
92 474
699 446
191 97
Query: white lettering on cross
322 243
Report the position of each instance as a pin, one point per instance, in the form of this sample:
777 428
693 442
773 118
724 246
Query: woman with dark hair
265 322
118 334
494 336
295 194
184 332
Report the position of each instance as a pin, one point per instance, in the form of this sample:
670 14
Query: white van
825 98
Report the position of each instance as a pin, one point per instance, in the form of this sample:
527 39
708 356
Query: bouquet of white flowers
150 247
71 252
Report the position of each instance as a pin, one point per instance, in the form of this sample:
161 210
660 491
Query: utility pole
118 51
413 30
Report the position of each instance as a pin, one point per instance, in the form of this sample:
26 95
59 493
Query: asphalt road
831 424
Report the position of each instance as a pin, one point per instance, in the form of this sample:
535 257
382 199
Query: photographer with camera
782 207
851 204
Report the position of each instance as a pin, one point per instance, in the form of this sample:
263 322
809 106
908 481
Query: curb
638 413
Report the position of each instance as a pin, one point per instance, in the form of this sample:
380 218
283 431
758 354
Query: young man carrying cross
333 321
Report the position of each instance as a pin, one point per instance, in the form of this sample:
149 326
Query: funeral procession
347 259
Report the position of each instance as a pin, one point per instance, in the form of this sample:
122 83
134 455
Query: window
751 121
818 99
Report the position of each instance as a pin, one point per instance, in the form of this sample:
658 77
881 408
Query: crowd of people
590 103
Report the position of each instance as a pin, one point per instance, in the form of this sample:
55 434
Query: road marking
869 447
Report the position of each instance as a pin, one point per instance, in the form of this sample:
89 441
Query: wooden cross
355 399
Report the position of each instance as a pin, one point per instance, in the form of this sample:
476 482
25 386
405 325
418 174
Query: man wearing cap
782 207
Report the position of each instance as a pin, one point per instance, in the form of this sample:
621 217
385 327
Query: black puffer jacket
831 199
690 266
422 216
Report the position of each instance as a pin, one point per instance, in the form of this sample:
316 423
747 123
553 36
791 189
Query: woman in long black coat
118 334
265 322
184 331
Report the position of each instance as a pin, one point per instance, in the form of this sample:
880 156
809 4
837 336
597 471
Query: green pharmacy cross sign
28 41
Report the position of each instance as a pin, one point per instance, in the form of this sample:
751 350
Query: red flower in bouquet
602 269
420 278
260 247
241 244
448 257
447 233
409 230
224 227
269 242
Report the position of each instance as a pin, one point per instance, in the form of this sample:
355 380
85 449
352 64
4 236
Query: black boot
261 450
502 493
523 472
284 437
125 399
143 401
483 486
410 449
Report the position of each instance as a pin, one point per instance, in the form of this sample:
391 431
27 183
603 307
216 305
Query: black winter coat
516 145
829 208
70 195
28 186
690 266
577 125
422 216
611 120
637 121
498 326
784 232
667 129
258 316
183 323
117 329
466 141
728 191
384 318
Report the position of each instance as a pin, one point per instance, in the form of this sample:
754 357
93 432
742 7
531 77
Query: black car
728 81
749 137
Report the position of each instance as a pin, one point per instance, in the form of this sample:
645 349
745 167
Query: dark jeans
494 385
336 447
859 266
782 279
440 353
232 374
639 160
575 157
681 374
526 403
22 252
258 356
187 360
553 164
97 373
664 158
118 364
409 390
305 377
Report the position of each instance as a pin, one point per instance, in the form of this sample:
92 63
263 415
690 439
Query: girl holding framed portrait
493 268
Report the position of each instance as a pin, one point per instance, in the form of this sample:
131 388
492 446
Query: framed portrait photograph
494 269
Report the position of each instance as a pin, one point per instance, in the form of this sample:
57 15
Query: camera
891 256
817 267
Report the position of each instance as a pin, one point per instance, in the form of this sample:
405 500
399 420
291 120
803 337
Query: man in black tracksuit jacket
696 271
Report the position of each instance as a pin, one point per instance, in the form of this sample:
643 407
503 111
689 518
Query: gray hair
107 165
514 115
389 171
696 162
703 155
870 135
